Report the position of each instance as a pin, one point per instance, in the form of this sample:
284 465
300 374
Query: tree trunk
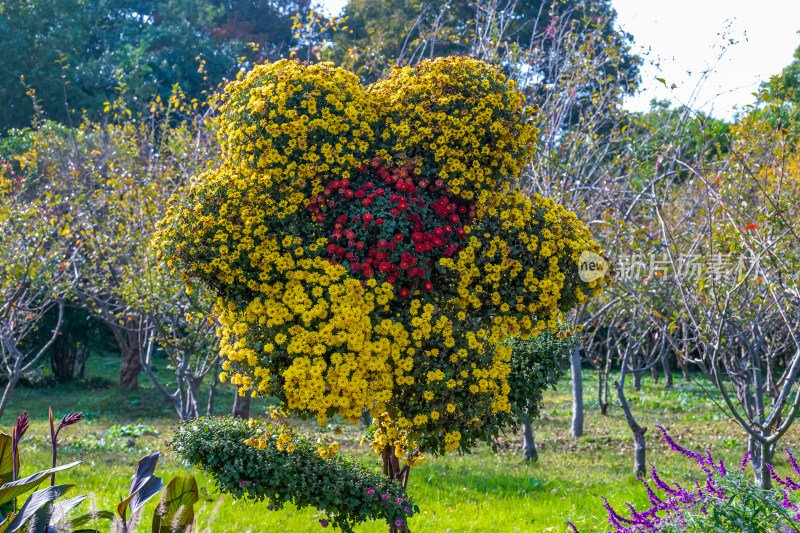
366 418
665 365
577 392
212 392
392 470
528 445
639 469
684 369
63 357
761 457
600 390
637 430
637 381
12 382
193 396
130 368
83 356
681 356
241 406
131 343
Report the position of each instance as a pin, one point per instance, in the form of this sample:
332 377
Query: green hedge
344 490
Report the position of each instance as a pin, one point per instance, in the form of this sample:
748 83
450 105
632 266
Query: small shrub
344 490
536 365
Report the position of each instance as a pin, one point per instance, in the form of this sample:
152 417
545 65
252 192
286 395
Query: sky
715 52
739 42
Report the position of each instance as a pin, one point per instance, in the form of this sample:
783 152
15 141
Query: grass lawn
484 492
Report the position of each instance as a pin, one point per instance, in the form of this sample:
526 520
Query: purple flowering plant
721 500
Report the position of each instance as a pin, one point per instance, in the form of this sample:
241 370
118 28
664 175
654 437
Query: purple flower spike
721 469
71 418
23 422
675 504
747 457
694 455
791 460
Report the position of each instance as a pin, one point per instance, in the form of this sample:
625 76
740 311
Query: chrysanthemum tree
368 249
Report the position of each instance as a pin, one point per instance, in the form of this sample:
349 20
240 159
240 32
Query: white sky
681 39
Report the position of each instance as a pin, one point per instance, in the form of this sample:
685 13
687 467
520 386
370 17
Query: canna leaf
175 513
144 471
36 502
6 472
9 491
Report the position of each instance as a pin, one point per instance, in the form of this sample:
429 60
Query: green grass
482 492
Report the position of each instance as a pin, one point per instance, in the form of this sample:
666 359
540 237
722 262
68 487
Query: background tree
71 349
35 261
742 308
785 87
77 54
520 36
118 176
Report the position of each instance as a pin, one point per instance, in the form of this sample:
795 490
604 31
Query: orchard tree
369 249
742 304
34 273
113 180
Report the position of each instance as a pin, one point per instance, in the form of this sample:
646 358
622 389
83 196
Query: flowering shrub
369 249
727 501
347 492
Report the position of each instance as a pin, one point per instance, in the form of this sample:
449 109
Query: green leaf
70 525
150 489
177 506
61 509
5 523
142 479
9 491
6 472
36 501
